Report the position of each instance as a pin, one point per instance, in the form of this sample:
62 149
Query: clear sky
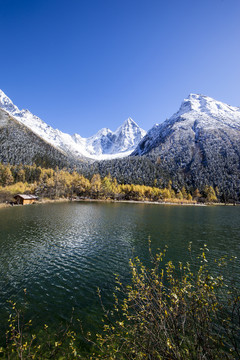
81 65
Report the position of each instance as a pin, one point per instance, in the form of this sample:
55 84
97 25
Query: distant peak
205 105
130 122
103 132
194 102
199 97
195 96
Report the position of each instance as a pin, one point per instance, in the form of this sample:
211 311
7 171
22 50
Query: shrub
22 342
172 313
168 312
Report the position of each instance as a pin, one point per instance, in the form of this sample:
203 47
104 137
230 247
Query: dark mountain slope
18 144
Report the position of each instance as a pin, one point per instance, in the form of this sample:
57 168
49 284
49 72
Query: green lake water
61 253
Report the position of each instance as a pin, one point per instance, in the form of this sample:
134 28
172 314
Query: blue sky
82 65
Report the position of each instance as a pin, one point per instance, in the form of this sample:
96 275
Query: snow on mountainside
106 144
197 113
20 145
199 145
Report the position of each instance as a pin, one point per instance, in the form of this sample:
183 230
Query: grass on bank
168 311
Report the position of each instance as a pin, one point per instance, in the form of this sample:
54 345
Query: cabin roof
26 197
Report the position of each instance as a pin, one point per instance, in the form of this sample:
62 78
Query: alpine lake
61 253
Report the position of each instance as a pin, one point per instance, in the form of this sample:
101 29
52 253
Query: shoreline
170 203
47 201
140 202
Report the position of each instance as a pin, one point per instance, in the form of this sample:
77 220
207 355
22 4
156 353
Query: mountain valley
198 145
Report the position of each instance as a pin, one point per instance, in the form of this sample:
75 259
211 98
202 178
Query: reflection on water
61 253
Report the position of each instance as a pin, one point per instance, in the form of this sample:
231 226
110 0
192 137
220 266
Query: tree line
61 183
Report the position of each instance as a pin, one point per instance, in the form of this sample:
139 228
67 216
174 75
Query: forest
61 183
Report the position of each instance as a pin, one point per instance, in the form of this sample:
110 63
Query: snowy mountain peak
191 103
197 113
207 105
128 135
130 125
105 144
129 122
102 132
210 112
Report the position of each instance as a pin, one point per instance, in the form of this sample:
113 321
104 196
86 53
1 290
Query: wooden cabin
22 199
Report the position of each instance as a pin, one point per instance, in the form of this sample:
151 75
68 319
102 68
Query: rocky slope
106 144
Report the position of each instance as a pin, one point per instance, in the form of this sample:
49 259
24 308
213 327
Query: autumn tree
81 185
196 195
6 176
209 194
96 185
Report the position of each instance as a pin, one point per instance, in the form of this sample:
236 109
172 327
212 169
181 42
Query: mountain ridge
18 144
105 144
195 109
199 144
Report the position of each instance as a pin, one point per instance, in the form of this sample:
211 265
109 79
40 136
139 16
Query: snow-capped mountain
199 145
106 144
197 114
20 145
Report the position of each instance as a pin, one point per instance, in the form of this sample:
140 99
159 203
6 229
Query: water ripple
62 252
